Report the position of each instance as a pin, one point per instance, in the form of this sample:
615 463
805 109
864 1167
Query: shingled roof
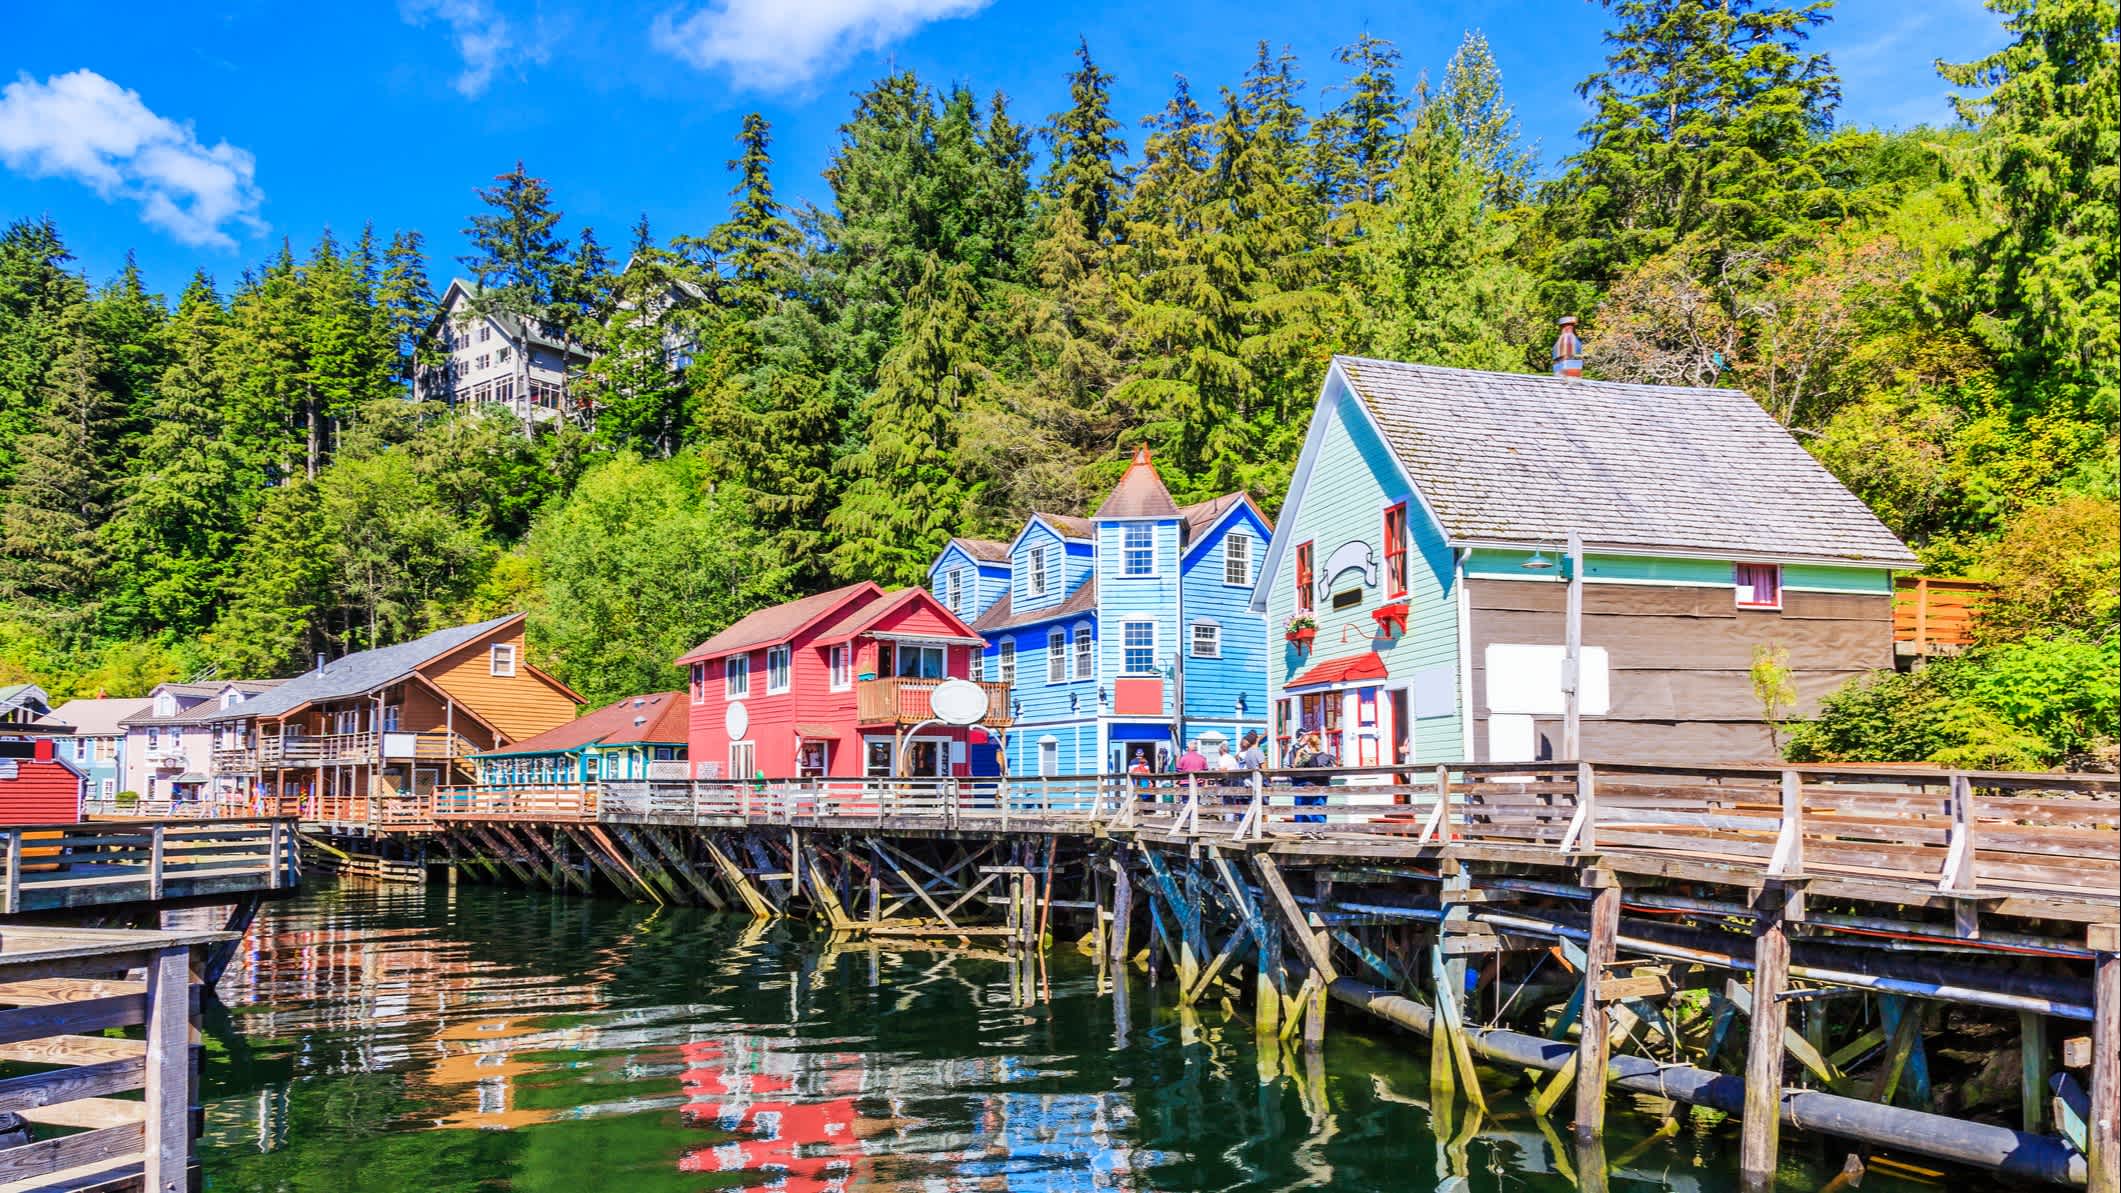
361 672
983 550
1522 458
998 616
778 623
1140 492
655 717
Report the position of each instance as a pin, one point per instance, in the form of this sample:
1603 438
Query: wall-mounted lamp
1538 562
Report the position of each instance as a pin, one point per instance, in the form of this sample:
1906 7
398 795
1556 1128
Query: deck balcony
358 749
900 701
236 760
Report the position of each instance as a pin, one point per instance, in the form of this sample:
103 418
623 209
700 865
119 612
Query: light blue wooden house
1424 536
970 575
1128 632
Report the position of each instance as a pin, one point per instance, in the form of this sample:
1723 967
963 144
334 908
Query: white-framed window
1056 655
1005 661
502 356
1759 585
1207 640
501 659
1137 549
1237 558
922 662
978 658
699 683
485 359
109 788
485 332
743 759
776 670
736 676
1048 756
839 664
1041 574
954 589
1138 647
165 705
1085 653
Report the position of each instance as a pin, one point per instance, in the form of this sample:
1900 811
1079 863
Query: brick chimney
1568 351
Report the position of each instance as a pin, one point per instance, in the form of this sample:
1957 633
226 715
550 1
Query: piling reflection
483 1040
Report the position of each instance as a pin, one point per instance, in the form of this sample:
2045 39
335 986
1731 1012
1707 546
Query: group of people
1305 750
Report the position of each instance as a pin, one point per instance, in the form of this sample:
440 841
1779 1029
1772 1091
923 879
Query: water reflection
483 1039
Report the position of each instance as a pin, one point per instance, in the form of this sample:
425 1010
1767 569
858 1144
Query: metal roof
361 672
100 717
1525 458
656 717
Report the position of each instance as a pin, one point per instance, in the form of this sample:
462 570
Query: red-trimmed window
1396 550
1759 585
1303 577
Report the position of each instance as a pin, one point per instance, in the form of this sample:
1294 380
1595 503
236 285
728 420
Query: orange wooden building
365 738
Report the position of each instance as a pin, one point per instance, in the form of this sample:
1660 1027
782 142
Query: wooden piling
2103 1126
1591 1043
1761 1121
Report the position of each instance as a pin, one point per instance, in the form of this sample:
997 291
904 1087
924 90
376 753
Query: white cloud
85 127
776 44
485 39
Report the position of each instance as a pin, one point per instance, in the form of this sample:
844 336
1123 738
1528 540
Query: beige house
499 358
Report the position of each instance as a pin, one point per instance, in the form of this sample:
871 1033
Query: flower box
1303 637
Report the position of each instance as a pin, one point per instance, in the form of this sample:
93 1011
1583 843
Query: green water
496 1040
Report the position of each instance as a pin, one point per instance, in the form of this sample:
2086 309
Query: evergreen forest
993 308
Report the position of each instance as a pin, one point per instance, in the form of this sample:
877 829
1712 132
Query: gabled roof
657 717
1202 516
866 616
998 616
1140 492
1068 526
361 672
778 623
512 325
101 717
983 550
203 704
1524 458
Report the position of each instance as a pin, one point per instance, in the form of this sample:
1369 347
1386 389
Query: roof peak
1140 492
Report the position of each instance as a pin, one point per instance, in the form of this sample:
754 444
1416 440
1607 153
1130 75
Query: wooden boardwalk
1783 944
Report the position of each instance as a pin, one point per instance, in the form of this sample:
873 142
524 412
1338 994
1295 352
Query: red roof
1366 665
655 717
865 616
1140 492
778 623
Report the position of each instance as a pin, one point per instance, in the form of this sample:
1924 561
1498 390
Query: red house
36 785
834 685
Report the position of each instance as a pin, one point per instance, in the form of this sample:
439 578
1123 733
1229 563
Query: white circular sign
958 702
736 720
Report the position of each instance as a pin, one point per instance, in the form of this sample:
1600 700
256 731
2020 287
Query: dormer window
165 705
231 699
1041 573
1137 550
501 659
954 589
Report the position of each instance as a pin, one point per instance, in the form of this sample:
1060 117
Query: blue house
96 746
1128 632
970 575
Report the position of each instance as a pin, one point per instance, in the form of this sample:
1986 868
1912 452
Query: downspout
1178 651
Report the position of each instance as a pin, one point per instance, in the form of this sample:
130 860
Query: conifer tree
1488 135
181 509
1084 172
751 246
908 491
344 364
516 256
1359 137
281 597
405 303
1706 123
267 362
60 494
36 291
129 322
2053 267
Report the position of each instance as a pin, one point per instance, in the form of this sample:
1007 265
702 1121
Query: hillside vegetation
994 309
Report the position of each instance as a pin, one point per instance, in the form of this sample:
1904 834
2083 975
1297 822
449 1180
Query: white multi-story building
499 358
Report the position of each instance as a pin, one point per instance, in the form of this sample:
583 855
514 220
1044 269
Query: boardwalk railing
48 867
61 991
1964 834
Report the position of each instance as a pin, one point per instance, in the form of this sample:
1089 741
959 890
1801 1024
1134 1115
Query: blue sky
200 134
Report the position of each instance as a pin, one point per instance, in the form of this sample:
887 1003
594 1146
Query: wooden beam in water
2103 1129
1761 1120
1593 1045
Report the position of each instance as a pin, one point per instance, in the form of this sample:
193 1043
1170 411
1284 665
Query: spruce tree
2052 135
181 511
266 360
281 594
908 491
36 292
60 494
1488 135
1359 137
1706 122
516 258
129 322
751 246
1084 172
405 303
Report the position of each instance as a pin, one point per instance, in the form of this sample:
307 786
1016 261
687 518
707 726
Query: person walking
1311 752
1192 762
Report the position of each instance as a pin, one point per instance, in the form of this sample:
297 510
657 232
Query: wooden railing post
1582 836
155 849
1788 859
168 1141
1959 872
14 872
